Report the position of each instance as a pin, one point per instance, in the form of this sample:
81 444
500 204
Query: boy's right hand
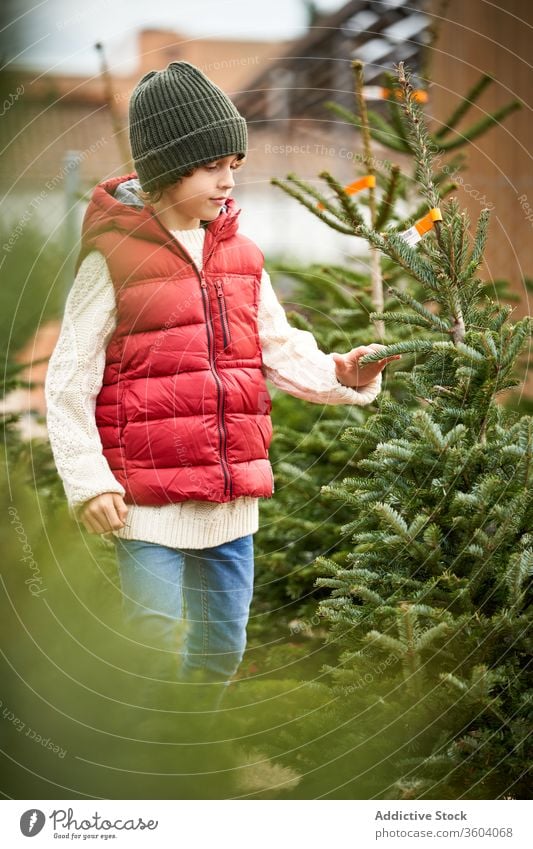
104 513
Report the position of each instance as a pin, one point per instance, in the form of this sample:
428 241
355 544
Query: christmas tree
298 525
430 608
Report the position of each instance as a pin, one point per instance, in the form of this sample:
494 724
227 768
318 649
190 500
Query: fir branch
392 518
429 429
470 353
520 569
408 319
408 300
379 125
455 435
415 346
521 333
465 105
349 206
482 126
410 259
421 143
480 240
489 344
357 67
385 209
386 139
367 595
500 318
451 168
357 433
395 111
312 207
375 264
389 644
315 193
431 635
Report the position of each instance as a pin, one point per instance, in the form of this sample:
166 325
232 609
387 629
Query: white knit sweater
292 362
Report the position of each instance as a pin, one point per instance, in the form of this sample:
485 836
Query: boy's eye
213 167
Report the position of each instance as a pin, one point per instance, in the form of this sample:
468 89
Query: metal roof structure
317 66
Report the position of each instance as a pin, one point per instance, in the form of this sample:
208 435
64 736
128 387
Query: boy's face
201 196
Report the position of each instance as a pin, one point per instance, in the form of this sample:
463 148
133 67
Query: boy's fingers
104 515
112 518
98 524
120 506
91 524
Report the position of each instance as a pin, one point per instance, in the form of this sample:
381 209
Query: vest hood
115 205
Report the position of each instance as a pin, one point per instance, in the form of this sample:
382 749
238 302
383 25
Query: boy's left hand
351 374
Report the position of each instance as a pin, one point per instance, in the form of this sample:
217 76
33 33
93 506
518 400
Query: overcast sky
59 35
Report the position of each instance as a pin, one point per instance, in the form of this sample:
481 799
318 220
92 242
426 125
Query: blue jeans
213 587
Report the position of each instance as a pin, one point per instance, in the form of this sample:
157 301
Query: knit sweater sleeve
73 381
293 362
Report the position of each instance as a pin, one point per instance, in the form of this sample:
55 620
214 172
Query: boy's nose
226 180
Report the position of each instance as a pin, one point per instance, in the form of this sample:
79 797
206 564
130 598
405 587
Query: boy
158 410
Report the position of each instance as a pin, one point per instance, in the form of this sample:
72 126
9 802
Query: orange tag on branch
376 92
367 182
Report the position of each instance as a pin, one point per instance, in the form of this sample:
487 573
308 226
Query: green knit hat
179 119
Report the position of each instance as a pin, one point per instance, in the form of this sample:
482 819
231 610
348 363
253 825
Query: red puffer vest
183 412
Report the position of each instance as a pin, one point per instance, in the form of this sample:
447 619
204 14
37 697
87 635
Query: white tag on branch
413 234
